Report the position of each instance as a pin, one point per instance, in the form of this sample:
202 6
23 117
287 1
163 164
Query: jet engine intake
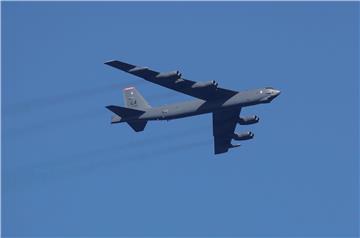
173 74
248 120
209 84
243 136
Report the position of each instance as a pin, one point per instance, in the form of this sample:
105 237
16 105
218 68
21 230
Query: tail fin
123 112
133 99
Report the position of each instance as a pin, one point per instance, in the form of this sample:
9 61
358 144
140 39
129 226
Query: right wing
224 123
174 81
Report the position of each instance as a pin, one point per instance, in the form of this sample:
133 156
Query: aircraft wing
173 80
224 123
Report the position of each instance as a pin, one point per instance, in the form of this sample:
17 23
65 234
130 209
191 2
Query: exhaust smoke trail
42 102
73 166
55 122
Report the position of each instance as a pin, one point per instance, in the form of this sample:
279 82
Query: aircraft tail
122 113
133 99
135 105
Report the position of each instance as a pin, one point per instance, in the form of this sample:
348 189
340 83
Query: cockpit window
269 88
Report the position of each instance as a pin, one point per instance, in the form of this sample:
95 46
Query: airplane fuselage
197 107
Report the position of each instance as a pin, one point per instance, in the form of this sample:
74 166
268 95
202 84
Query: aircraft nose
274 93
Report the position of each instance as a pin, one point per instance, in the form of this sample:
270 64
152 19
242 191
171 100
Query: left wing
173 80
224 123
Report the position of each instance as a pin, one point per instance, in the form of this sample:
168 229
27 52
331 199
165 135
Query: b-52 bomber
224 104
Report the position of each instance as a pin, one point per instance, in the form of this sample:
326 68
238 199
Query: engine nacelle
173 74
243 136
248 120
209 84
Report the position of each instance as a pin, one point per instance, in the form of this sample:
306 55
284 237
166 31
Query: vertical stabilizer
133 99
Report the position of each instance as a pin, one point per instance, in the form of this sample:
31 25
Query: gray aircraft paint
197 107
224 104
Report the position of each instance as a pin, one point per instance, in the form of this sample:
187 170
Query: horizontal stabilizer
124 112
137 125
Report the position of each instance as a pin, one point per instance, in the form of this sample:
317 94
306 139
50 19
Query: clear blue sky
67 172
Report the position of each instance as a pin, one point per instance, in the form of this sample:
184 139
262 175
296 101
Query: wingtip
120 65
234 145
109 62
109 107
